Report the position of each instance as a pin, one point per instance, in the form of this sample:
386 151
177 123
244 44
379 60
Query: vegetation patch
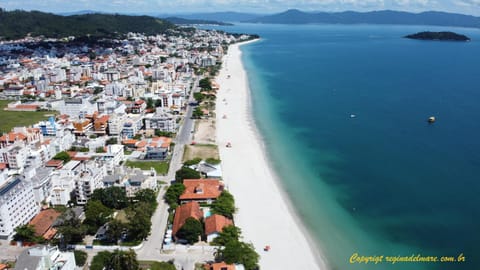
161 167
11 119
202 151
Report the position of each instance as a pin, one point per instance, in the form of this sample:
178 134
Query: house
209 170
43 222
219 266
214 224
201 190
183 212
45 258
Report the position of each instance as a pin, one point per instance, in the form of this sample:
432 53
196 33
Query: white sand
264 214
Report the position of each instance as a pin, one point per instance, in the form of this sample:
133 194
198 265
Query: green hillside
18 24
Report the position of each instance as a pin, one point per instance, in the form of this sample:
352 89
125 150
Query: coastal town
108 152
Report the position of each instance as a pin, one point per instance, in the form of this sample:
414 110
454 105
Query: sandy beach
264 214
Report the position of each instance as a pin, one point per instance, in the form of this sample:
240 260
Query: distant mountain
178 20
228 16
295 16
80 12
18 24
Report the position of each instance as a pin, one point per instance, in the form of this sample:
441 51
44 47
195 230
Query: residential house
214 225
201 190
182 213
43 223
45 258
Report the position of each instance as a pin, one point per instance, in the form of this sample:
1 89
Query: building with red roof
214 224
201 190
219 266
183 212
43 222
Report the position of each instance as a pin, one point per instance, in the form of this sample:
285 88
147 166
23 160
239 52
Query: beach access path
264 214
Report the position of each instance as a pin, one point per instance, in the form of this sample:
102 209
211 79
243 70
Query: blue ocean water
342 110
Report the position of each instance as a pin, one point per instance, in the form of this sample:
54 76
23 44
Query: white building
63 183
17 205
45 258
112 158
76 107
161 121
87 179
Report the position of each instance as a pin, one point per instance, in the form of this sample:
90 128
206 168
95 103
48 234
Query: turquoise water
384 182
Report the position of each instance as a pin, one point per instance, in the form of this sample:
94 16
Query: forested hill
294 16
17 24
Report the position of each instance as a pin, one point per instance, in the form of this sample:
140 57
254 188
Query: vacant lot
202 151
160 166
10 119
204 131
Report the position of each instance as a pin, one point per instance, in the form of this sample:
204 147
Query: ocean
343 109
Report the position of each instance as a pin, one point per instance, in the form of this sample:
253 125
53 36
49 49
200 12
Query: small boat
224 116
266 248
229 145
352 116
431 119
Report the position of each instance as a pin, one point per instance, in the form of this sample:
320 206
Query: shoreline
266 216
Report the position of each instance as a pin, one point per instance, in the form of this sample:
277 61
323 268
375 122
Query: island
447 36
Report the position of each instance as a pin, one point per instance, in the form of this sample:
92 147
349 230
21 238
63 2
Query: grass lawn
11 119
156 265
160 166
121 216
202 151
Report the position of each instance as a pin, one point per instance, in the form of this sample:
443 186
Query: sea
342 111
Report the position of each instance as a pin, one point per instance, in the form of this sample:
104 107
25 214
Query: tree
111 197
72 230
197 113
186 173
122 260
114 231
199 97
100 260
191 230
205 83
80 257
173 193
236 252
150 103
192 162
229 233
100 150
213 161
112 140
96 214
146 195
62 156
139 223
224 205
25 233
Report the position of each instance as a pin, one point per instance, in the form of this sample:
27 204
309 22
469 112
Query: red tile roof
11 136
215 223
3 166
201 189
219 266
184 211
54 163
43 221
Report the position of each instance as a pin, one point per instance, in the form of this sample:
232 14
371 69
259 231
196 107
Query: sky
471 7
